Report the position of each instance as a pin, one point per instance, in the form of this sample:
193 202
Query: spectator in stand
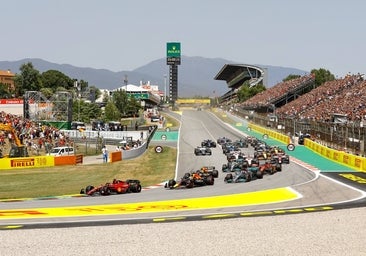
342 96
266 97
32 133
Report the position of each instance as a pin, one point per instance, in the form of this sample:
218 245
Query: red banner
11 101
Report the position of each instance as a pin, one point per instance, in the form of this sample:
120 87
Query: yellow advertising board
273 134
193 101
350 160
26 162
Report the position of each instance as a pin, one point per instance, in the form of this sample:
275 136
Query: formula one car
241 143
280 158
258 170
190 180
239 176
278 155
267 168
235 155
208 144
232 166
302 138
223 140
229 147
261 154
116 187
202 151
210 170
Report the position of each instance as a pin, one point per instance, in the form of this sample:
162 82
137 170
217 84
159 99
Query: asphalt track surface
298 185
300 188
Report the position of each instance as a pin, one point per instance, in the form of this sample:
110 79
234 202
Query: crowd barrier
350 160
273 134
115 156
68 160
134 152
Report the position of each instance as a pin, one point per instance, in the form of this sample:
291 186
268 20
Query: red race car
115 187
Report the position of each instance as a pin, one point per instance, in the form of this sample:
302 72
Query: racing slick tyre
215 173
139 188
259 175
228 177
171 183
209 180
88 188
278 167
104 191
189 184
248 176
186 175
136 188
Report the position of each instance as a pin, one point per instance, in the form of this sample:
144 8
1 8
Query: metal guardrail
114 138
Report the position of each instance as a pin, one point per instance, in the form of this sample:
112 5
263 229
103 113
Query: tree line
117 105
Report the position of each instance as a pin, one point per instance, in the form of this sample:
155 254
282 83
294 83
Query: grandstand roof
236 74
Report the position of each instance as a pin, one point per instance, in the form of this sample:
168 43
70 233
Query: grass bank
151 169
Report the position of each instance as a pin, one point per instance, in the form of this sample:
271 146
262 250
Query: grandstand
280 94
237 75
333 113
345 96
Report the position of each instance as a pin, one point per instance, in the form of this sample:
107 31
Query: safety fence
352 161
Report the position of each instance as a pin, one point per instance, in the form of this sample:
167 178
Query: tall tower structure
173 60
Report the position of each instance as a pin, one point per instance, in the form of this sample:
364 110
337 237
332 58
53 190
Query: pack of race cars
266 160
239 167
205 176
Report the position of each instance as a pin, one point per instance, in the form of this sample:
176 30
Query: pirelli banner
26 162
350 160
7 163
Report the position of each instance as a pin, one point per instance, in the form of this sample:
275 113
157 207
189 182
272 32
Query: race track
294 187
325 217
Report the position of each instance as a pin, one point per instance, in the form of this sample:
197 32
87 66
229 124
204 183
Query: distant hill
195 74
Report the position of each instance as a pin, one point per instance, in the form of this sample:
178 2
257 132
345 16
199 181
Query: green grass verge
151 168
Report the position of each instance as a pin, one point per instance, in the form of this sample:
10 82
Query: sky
122 35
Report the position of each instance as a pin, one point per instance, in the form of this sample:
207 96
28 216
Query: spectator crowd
266 97
34 136
345 96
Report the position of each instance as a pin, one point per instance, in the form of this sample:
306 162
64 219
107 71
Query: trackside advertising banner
275 135
352 161
26 162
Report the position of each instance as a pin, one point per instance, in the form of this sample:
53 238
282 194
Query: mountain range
195 74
